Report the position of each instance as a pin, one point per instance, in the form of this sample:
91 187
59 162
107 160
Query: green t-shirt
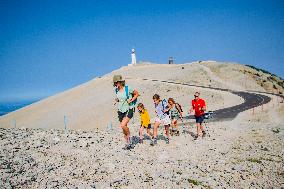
123 106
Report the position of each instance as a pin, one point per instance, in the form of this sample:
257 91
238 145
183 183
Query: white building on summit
133 57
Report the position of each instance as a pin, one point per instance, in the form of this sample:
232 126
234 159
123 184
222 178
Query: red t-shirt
197 105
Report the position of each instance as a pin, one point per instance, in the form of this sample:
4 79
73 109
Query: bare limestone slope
246 77
90 105
244 153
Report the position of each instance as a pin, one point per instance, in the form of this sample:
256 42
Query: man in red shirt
199 106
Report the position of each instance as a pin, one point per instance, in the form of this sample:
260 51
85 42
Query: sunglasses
195 96
114 84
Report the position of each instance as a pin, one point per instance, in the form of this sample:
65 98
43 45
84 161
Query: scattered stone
33 158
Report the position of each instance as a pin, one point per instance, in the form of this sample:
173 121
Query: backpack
127 95
164 107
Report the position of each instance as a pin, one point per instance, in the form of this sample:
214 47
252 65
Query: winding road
251 100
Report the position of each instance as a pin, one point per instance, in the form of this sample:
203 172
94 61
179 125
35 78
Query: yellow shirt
145 118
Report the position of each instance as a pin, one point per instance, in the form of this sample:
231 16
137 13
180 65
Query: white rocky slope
90 105
244 153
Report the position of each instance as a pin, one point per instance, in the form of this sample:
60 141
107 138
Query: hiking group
167 113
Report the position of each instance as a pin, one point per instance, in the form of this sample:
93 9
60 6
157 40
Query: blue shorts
199 119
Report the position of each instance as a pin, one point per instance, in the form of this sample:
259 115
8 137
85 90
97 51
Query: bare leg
198 129
176 127
167 131
175 124
141 132
156 126
201 127
125 129
149 132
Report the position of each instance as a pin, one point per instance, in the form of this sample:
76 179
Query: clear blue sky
50 46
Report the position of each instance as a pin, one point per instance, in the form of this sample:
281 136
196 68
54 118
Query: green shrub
254 160
264 71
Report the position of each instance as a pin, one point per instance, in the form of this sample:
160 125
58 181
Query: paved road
251 100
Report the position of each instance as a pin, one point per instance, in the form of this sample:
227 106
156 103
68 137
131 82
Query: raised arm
135 96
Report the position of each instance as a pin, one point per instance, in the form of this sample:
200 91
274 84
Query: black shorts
147 127
122 115
199 119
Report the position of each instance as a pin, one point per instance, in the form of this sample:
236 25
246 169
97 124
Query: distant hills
7 107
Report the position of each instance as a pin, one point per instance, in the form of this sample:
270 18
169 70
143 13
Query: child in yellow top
145 121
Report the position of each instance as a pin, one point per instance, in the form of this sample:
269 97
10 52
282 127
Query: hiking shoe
167 140
153 142
177 133
127 147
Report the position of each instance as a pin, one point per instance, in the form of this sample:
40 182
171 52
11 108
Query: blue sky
50 46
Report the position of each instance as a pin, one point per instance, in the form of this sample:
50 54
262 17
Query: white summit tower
133 57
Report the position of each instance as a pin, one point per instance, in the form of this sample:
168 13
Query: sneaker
195 137
203 134
153 142
172 132
141 141
167 140
127 147
177 133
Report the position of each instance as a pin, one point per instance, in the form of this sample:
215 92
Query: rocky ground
244 153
